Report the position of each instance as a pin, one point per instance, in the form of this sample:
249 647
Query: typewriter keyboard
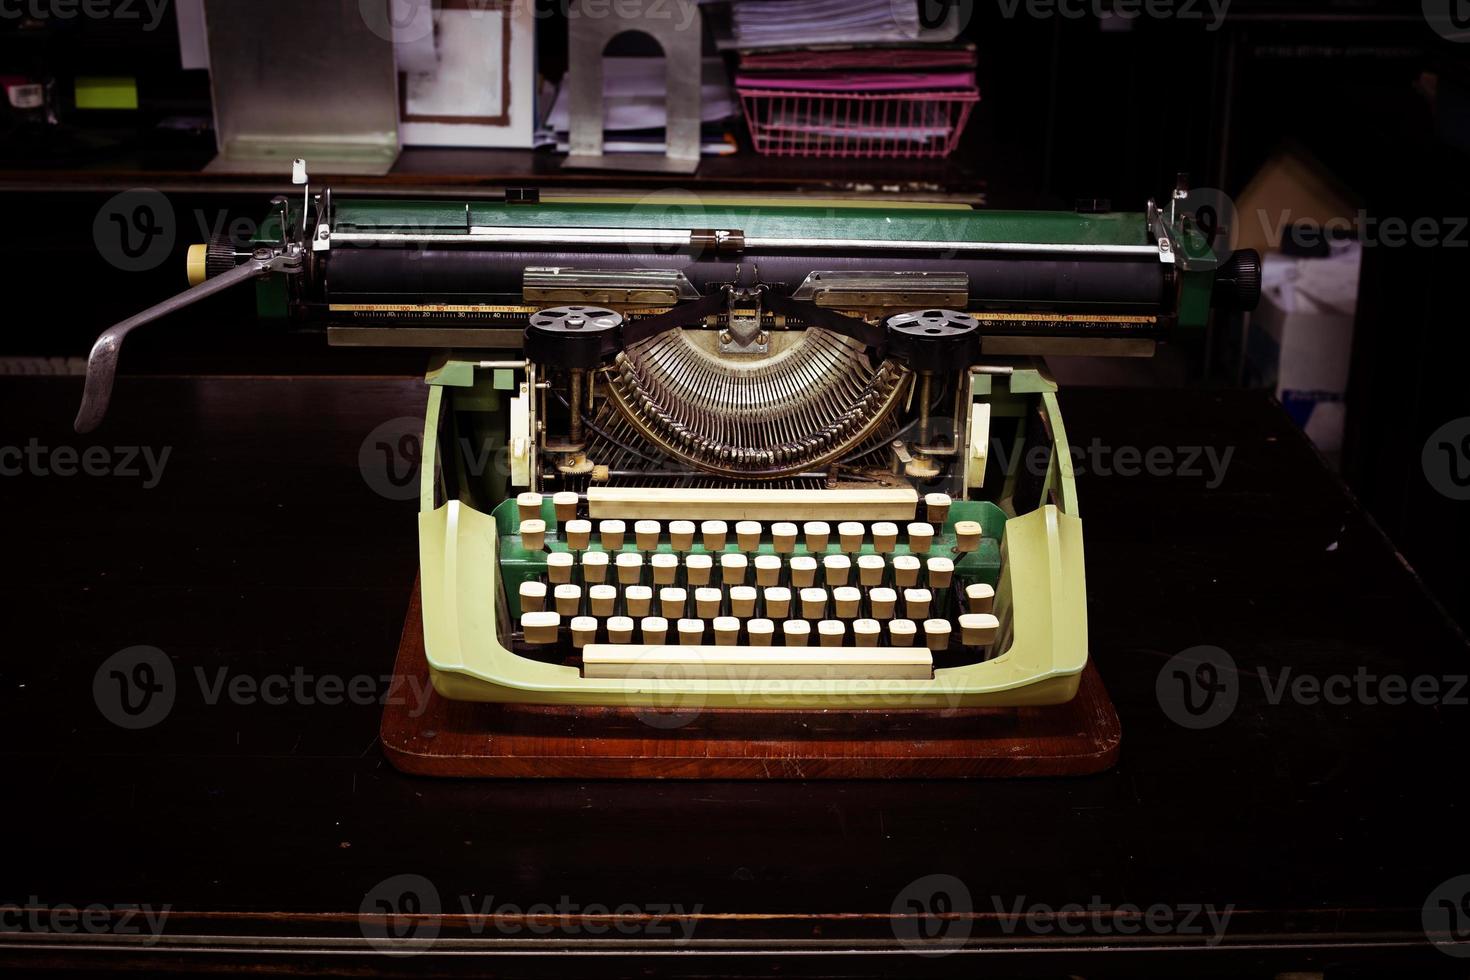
632 597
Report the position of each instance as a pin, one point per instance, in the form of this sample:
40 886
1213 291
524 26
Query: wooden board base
440 737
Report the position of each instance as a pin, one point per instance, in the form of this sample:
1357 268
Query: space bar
700 504
668 662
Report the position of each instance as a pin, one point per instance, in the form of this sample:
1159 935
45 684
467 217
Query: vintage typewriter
760 454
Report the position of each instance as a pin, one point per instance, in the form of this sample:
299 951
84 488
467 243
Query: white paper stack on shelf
634 111
782 23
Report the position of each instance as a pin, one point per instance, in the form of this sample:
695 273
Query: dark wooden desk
262 552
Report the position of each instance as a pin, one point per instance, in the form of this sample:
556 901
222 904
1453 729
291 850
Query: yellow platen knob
197 256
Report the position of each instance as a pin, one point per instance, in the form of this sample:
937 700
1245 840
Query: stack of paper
782 23
635 113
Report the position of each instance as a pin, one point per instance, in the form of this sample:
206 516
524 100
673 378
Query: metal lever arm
102 362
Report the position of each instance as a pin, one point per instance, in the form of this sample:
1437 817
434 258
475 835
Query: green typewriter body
738 453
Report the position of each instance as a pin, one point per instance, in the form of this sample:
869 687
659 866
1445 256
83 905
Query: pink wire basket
873 125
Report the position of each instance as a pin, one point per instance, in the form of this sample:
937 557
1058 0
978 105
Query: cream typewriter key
836 569
533 596
941 571
732 568
882 602
916 603
639 599
921 536
559 567
803 571
646 534
540 627
901 632
847 600
620 629
778 602
697 568
748 534
714 533
584 631
936 634
611 534
528 505
671 602
978 629
813 603
796 632
905 571
655 630
602 599
979 597
681 535
760 632
818 534
865 632
831 632
885 537
594 566
727 630
565 505
533 535
850 535
707 602
630 567
578 535
767 570
870 570
936 508
665 567
691 632
742 602
783 537
568 599
967 536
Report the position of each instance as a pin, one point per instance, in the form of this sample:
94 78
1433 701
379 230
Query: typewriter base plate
473 739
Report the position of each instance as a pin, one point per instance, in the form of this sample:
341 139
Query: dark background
1070 110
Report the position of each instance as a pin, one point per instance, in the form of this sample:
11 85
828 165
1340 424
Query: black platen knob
220 255
1238 282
